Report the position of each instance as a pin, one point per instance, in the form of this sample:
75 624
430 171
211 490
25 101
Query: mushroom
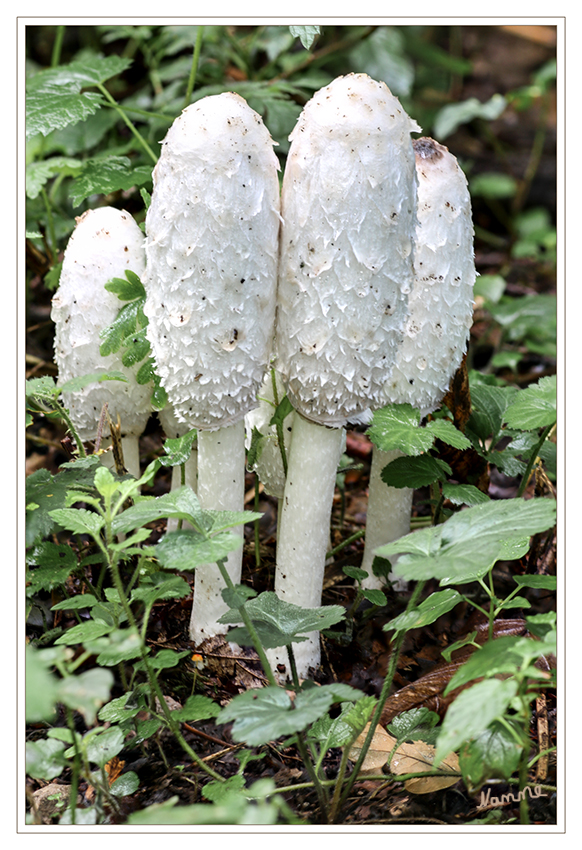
212 238
105 244
348 208
437 329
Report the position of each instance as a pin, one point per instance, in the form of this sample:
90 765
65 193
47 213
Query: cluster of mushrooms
355 282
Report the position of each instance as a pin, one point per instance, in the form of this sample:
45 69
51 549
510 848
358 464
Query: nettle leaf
78 520
470 541
185 550
51 107
103 176
264 715
415 471
397 427
472 712
534 407
282 623
55 563
427 612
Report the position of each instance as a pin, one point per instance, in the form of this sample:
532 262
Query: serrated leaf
534 407
44 388
48 492
493 754
55 564
469 541
178 450
39 173
56 106
74 385
185 550
447 433
124 324
196 707
472 712
286 622
78 520
464 494
103 176
173 587
397 427
128 288
87 631
427 612
416 724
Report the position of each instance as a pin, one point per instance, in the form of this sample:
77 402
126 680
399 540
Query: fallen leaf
380 748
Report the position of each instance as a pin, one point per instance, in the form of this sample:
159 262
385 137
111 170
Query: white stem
303 532
221 479
130 448
388 517
191 480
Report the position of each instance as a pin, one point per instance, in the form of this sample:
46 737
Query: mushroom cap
212 239
348 208
441 301
105 244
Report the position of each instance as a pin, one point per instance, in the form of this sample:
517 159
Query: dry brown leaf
408 758
417 757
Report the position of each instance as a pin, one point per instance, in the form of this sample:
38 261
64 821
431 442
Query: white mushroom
437 330
105 244
212 236
348 207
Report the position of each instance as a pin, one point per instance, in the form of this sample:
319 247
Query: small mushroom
105 244
212 231
436 333
348 208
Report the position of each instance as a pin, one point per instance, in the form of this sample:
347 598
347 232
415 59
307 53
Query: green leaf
264 715
78 520
39 173
78 383
445 431
453 115
86 631
284 621
128 288
53 107
178 450
464 494
103 176
283 409
418 724
415 471
180 504
103 747
124 324
197 707
504 655
217 792
235 597
55 563
493 185
125 785
43 388
172 587
470 541
306 34
340 731
117 646
117 711
45 758
376 597
472 712
427 612
489 404
86 692
165 659
41 687
493 754
185 550
534 407
397 427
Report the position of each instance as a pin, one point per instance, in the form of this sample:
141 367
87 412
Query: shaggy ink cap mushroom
212 248
212 230
348 207
436 332
105 244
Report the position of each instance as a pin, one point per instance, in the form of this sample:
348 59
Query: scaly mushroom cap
441 301
105 243
212 235
348 208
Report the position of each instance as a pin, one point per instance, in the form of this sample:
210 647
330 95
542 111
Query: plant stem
396 647
249 627
57 48
140 139
532 459
194 68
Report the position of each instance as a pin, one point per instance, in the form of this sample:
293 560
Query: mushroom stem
221 479
303 532
388 517
130 448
